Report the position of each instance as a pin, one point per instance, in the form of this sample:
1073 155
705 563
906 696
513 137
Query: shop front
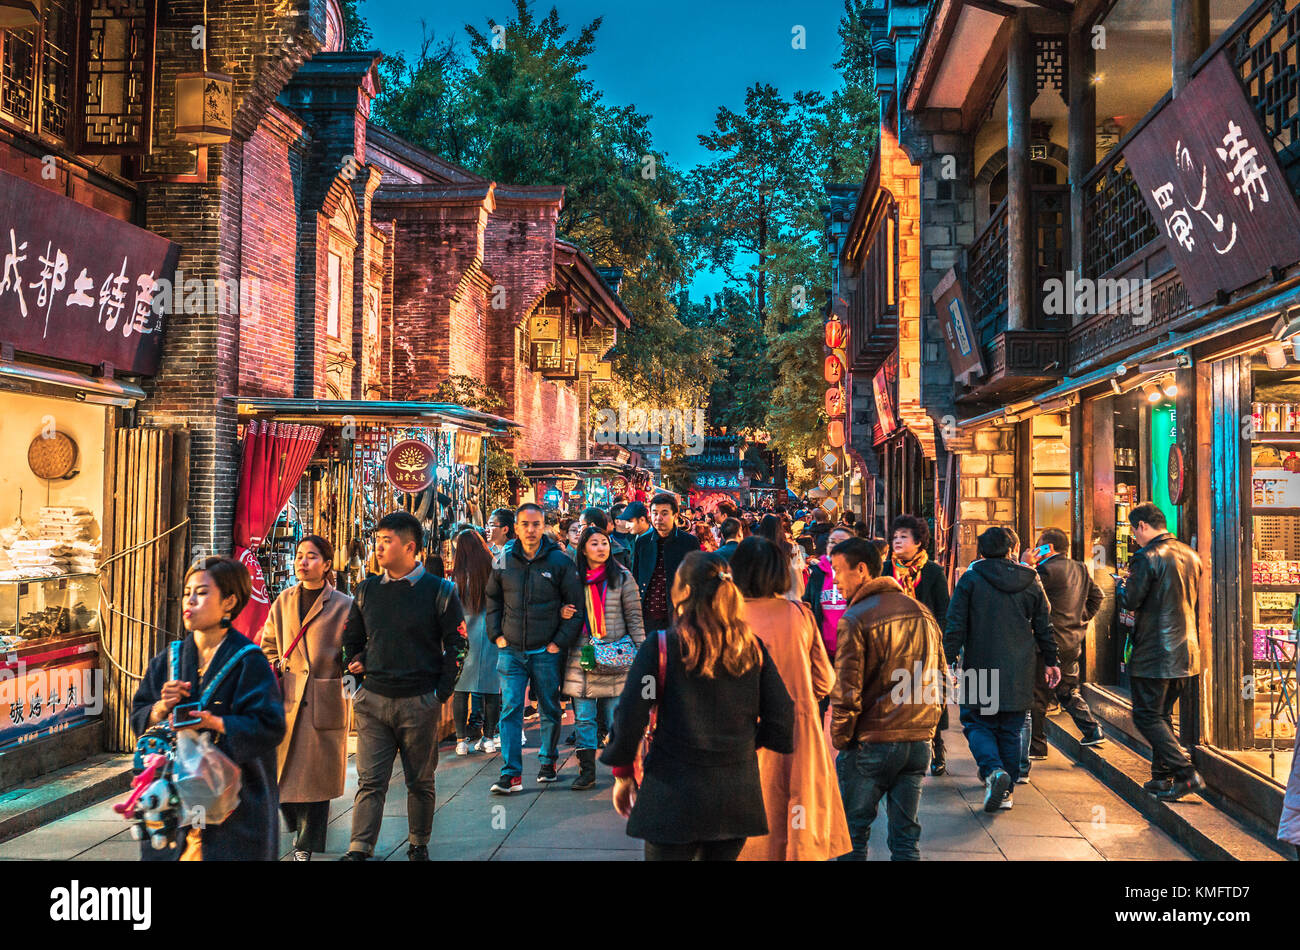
564 488
78 332
335 467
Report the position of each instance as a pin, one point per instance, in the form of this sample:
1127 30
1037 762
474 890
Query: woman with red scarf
923 581
611 616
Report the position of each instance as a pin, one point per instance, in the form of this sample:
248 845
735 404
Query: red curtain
275 457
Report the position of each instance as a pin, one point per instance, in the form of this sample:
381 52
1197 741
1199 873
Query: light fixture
1098 77
1169 387
204 102
1152 392
19 14
1115 386
1275 354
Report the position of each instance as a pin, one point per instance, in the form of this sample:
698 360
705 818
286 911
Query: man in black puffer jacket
1075 600
997 614
1161 590
532 585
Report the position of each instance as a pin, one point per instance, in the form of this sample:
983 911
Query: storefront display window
1274 503
1051 473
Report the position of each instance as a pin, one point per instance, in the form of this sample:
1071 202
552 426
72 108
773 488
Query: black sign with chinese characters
78 284
1209 175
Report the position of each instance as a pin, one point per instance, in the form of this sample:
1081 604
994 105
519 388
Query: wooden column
1025 484
1191 27
1020 254
1082 135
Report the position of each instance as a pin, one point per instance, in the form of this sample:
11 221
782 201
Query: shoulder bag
638 765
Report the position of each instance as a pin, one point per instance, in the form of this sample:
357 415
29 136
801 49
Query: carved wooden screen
37 71
117 89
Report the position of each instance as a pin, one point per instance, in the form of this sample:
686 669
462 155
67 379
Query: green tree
499 464
357 35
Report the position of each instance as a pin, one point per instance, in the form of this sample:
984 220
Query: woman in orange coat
805 814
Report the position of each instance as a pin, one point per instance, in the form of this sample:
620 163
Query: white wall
22 418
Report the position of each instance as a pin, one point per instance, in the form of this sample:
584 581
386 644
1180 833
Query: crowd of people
756 681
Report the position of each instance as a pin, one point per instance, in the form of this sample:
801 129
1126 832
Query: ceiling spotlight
1152 392
1169 387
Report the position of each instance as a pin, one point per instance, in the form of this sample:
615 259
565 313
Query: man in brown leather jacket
1161 590
888 694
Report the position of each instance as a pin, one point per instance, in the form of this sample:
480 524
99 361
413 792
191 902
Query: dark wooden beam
992 6
1060 6
1020 255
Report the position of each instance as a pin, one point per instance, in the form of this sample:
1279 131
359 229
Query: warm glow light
1152 392
1098 77
1169 387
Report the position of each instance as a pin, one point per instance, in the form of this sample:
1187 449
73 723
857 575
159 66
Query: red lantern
836 334
835 401
834 371
835 434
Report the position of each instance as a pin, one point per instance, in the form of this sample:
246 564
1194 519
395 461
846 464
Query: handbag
638 764
613 656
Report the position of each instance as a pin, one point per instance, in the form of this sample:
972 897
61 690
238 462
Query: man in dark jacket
889 671
1161 590
819 530
730 531
655 559
997 613
532 585
404 634
1075 599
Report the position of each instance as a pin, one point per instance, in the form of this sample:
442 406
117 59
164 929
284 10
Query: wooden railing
986 277
1116 221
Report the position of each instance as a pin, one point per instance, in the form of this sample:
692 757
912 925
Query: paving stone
564 854
1036 848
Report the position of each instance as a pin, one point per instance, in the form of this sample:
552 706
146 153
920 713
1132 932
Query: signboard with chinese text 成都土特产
1208 173
78 284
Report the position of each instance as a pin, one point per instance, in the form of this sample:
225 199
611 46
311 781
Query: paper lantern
835 401
836 334
835 433
204 108
834 371
19 14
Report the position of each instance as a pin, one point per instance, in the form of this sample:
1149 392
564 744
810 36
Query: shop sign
883 387
1177 474
78 284
410 466
469 448
45 699
544 324
1209 176
958 330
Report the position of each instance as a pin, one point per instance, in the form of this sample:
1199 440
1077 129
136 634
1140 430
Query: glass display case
40 610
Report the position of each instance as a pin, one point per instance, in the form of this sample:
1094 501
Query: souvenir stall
367 459
568 487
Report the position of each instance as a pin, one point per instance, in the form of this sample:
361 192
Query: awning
344 411
1137 367
41 381
581 468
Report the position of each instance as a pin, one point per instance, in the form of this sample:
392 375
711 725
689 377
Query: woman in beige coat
312 758
805 814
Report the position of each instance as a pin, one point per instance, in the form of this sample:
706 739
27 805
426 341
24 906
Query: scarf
594 594
908 574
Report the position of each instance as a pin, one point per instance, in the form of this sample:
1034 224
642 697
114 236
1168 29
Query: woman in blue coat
245 714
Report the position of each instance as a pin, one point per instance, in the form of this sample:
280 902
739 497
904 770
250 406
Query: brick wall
268 232
987 485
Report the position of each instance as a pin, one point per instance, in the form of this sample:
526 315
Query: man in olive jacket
998 612
1161 590
531 584
889 669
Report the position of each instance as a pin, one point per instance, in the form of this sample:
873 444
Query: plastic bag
206 780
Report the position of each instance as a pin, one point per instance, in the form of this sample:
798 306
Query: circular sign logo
1177 474
409 466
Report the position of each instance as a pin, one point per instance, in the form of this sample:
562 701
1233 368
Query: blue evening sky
676 60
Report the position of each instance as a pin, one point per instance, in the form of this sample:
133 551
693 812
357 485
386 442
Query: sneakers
1158 785
485 745
531 714
508 784
1006 803
417 852
301 855
355 856
996 787
1179 788
462 747
1023 779
547 773
1098 739
1037 756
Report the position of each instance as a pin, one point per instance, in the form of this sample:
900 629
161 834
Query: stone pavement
1065 813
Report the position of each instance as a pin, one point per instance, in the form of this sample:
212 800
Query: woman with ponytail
224 674
719 699
611 613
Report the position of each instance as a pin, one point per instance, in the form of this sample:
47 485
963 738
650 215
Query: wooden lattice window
117 104
37 71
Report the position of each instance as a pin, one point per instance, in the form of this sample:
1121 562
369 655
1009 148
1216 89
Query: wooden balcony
1023 359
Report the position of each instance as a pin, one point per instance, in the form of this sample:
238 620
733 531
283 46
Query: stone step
56 794
1193 822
